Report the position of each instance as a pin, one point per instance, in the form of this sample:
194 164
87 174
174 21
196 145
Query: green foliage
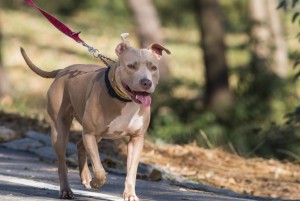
235 21
285 4
246 126
181 14
178 13
281 141
63 7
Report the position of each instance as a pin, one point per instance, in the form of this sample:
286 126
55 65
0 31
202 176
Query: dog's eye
131 66
153 68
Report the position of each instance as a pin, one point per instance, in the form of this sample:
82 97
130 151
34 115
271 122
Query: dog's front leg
84 171
91 147
134 151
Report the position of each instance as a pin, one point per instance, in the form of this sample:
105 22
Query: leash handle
58 24
74 35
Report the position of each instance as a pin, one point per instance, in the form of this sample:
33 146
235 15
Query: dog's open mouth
140 97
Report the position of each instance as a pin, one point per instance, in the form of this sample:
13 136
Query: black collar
111 89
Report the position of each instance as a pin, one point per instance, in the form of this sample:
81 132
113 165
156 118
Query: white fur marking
129 120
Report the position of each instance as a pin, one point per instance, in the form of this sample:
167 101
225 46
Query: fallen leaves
254 176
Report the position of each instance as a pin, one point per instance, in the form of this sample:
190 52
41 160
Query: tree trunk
280 55
260 33
148 28
217 93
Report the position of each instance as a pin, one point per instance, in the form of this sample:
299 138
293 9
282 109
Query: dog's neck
113 87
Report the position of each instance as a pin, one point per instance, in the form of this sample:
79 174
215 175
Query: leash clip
96 54
90 48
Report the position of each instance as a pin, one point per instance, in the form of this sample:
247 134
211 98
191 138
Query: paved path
24 177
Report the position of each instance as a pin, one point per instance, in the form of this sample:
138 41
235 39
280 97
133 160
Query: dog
109 103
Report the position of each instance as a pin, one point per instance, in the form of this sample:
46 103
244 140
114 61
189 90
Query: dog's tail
37 70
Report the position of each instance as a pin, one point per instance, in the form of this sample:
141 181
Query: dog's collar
112 86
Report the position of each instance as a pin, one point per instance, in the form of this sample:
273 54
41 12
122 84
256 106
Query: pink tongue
145 100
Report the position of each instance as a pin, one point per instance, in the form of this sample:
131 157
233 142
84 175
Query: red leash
58 24
66 30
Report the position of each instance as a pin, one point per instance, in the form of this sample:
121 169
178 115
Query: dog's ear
157 50
122 46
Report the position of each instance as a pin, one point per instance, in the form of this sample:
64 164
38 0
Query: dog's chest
129 122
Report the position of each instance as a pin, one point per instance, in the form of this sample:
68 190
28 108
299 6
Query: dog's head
138 70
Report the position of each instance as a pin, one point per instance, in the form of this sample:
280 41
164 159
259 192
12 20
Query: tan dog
109 103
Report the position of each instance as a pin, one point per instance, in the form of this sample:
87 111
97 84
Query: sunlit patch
42 185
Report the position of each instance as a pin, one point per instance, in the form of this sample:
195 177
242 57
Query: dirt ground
254 176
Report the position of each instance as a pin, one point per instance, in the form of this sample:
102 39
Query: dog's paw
96 184
131 198
129 193
66 194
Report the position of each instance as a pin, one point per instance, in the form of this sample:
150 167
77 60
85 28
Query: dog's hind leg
59 138
61 115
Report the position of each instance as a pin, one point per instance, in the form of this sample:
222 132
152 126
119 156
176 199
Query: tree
260 33
280 55
267 36
148 27
284 4
209 19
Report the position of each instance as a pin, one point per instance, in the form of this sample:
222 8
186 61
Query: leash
74 35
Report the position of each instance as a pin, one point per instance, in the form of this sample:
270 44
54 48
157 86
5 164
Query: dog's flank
81 91
37 70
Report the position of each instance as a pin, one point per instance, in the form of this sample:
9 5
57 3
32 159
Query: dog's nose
146 83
